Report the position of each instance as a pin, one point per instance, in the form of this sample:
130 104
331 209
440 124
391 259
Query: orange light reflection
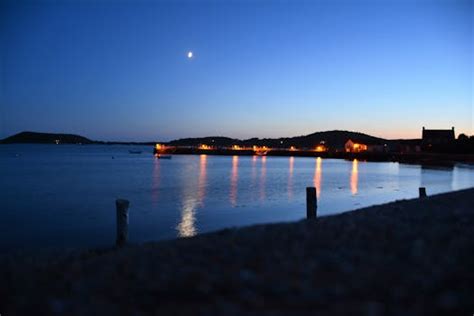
155 181
202 179
263 175
234 180
318 176
354 176
290 177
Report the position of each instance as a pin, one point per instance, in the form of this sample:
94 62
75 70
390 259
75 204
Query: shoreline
426 159
422 158
407 257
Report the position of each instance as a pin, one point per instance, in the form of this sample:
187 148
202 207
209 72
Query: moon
190 54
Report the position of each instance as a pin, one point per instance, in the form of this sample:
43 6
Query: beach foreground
408 257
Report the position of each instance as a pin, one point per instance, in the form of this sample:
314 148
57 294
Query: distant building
432 137
405 146
353 146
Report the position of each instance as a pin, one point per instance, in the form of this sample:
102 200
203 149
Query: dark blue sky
117 70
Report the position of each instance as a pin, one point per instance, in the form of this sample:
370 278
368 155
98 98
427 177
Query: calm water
64 196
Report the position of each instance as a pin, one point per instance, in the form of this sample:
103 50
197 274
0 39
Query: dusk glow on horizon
128 70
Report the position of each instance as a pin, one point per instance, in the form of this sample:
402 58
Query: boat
163 156
131 151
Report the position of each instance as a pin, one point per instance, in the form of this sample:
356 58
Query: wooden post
311 202
422 191
122 222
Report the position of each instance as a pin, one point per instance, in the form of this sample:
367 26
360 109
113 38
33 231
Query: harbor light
320 148
204 147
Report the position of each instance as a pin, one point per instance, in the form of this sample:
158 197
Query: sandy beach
411 257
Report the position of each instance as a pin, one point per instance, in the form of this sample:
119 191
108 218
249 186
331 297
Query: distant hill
333 139
210 140
45 138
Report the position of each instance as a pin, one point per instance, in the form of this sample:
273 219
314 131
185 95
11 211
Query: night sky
119 70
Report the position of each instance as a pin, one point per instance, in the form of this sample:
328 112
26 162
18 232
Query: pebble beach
409 257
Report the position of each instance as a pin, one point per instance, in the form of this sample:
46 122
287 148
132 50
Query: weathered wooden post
122 221
422 191
311 202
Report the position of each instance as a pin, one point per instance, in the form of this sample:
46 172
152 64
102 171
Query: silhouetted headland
59 138
45 138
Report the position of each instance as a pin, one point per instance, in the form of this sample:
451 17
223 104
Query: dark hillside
45 138
334 139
